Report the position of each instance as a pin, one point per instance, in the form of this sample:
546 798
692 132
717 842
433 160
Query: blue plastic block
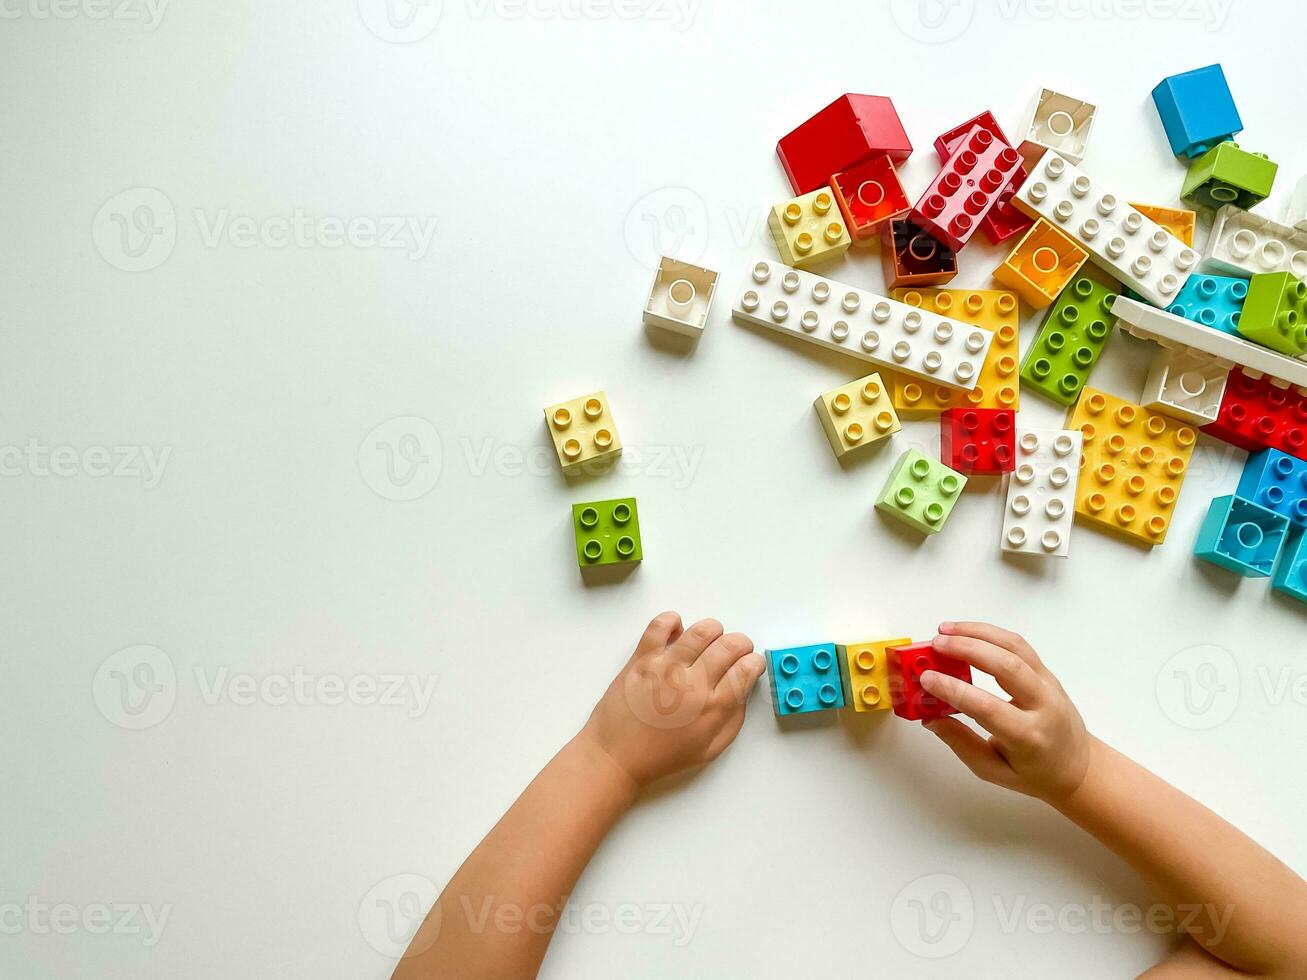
805 679
1278 482
1291 576
1197 110
1213 301
1242 536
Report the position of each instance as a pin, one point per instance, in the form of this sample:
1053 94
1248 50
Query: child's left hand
678 702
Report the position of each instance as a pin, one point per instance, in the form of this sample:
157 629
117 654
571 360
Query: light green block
921 492
607 532
1226 174
1275 313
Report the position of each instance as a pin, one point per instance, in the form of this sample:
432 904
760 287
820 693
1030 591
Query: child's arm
1252 909
678 702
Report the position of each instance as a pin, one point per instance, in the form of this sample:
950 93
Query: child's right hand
1038 744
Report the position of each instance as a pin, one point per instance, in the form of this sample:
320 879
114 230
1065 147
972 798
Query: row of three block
865 677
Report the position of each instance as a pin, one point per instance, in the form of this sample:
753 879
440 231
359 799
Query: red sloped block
869 195
978 441
906 665
1003 220
844 134
1255 414
966 188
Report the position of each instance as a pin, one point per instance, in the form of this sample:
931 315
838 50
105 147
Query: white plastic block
1174 333
1185 385
1041 492
1245 244
868 326
680 297
1057 122
1298 206
1121 240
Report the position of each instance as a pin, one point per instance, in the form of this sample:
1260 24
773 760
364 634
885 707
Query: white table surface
556 153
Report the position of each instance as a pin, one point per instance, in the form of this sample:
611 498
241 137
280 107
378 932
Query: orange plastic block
864 671
1041 265
999 384
1177 221
1133 465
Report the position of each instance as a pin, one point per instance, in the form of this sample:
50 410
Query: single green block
1275 312
1070 341
921 492
607 532
1225 174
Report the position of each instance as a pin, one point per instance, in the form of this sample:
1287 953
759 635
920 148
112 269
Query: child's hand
1038 744
678 702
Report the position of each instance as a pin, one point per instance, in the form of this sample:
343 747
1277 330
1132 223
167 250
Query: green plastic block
1070 341
921 492
1275 312
607 532
1225 174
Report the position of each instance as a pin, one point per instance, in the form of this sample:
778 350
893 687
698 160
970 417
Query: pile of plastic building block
1228 322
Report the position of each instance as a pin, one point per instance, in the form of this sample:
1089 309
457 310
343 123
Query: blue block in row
1276 481
1242 536
1197 110
805 679
1291 576
1213 301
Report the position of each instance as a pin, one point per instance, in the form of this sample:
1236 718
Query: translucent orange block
1178 221
1132 467
1041 265
999 384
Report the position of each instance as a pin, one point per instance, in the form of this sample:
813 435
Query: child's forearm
1248 908
497 914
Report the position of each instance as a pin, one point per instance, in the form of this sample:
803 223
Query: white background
557 152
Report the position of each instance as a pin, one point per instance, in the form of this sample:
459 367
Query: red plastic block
1255 414
869 195
906 665
1003 220
911 257
966 188
979 441
844 134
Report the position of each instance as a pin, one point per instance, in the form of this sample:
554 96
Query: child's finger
663 629
739 680
976 753
694 641
721 653
1013 674
994 714
997 636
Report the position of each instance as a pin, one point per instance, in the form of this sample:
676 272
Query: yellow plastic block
583 431
1177 221
864 669
1133 466
999 384
1041 265
809 229
857 414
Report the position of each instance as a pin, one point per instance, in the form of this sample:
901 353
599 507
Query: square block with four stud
921 492
857 414
809 229
583 431
607 532
805 679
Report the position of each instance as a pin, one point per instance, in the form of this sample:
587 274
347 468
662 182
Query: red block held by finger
906 665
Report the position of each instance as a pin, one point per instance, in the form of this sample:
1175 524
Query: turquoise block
1213 301
1242 536
1276 481
805 679
1291 576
